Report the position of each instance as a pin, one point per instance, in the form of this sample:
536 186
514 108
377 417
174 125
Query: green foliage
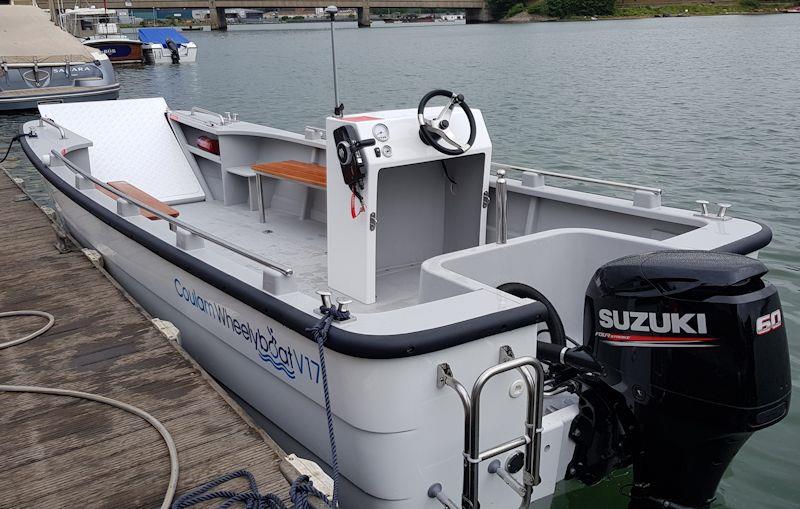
695 9
538 8
515 9
499 8
566 8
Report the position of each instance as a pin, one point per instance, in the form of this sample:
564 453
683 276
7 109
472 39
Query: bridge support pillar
217 15
478 16
363 15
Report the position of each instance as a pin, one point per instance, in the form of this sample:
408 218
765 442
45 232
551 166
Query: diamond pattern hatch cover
132 141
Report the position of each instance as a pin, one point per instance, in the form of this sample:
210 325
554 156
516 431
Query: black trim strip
345 342
751 243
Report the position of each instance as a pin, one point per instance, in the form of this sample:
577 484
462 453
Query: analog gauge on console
381 132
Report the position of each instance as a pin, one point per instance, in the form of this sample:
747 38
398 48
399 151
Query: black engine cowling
172 46
695 344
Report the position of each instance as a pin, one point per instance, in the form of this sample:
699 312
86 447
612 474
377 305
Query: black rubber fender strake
751 243
554 325
432 138
354 344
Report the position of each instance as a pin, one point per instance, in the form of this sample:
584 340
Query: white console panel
422 214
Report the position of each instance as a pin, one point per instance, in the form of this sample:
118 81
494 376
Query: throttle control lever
348 151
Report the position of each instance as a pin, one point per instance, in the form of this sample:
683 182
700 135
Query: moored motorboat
166 45
459 294
99 28
41 63
120 50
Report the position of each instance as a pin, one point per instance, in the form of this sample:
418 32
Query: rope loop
28 312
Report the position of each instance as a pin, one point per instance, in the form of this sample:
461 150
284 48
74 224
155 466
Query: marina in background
724 486
39 63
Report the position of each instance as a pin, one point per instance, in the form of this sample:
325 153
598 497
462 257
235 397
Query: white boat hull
396 432
162 55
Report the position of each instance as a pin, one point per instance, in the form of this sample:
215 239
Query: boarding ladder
473 456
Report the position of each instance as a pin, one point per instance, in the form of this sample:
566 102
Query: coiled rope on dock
302 488
173 452
300 492
162 430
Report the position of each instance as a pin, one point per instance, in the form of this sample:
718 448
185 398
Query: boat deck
298 243
63 452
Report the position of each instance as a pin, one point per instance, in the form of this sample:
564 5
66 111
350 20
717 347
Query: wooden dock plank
63 452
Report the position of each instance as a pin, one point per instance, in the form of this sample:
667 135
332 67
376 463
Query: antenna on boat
338 108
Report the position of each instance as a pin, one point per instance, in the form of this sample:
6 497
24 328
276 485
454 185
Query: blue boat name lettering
282 358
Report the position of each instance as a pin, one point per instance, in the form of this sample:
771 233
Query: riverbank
537 11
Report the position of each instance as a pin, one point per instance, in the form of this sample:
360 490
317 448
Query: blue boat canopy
160 35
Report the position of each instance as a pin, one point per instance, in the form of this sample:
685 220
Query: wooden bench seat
135 192
305 173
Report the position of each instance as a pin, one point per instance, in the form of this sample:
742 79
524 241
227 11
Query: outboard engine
173 51
694 359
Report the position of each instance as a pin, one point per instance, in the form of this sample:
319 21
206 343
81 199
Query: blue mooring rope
302 488
301 491
320 332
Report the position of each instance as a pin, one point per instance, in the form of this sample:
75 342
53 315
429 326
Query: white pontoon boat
453 376
41 63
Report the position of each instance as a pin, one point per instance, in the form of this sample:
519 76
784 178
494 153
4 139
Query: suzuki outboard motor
173 51
694 359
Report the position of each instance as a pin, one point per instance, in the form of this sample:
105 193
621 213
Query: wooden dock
64 452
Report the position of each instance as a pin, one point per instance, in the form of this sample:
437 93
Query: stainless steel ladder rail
531 439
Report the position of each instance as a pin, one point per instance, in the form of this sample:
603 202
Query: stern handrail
590 180
197 109
44 120
283 269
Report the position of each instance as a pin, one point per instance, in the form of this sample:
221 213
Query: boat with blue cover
166 45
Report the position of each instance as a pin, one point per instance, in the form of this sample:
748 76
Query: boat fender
554 325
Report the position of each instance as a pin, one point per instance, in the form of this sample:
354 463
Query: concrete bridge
476 10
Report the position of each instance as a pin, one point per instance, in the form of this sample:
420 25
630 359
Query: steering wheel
433 131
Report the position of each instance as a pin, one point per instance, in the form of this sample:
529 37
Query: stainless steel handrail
283 269
196 109
45 120
610 183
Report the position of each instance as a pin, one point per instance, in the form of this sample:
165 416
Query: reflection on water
703 107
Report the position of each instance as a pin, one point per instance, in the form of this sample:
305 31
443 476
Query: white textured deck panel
132 141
